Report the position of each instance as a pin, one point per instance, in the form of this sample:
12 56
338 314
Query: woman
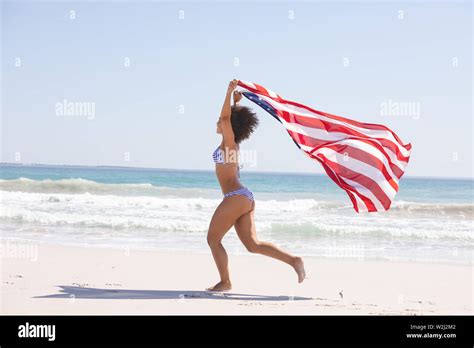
236 123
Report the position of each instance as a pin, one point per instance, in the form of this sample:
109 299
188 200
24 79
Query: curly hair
244 121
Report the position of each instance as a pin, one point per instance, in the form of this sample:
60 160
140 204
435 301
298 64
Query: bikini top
218 158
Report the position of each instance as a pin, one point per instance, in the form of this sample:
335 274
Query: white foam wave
456 209
303 217
79 186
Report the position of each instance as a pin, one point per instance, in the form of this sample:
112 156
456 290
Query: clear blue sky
189 62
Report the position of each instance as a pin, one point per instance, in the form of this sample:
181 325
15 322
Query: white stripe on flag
372 133
358 167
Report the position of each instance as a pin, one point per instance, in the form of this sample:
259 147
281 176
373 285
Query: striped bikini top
218 158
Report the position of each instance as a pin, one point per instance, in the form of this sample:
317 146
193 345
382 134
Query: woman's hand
237 96
232 86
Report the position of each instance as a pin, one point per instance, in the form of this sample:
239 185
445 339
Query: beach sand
56 279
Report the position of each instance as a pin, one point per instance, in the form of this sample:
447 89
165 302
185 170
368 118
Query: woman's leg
245 228
230 209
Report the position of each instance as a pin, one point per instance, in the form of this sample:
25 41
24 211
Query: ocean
431 219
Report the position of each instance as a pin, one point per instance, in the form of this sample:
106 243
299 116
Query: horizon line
204 170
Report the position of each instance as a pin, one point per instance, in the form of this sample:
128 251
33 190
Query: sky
151 78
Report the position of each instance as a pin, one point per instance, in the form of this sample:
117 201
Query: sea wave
79 186
465 210
295 228
298 218
139 194
376 230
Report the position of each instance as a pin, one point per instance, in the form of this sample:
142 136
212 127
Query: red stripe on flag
333 127
362 156
346 187
360 178
373 171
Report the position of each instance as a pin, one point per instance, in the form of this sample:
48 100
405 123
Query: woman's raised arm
226 111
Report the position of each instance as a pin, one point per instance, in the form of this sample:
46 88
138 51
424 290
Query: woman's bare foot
298 265
221 286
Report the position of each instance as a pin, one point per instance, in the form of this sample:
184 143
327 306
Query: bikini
218 158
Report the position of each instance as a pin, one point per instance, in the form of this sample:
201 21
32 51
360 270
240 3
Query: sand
57 279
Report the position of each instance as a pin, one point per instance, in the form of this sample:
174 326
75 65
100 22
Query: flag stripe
356 125
365 155
366 160
257 88
317 137
394 161
330 127
324 123
360 172
368 205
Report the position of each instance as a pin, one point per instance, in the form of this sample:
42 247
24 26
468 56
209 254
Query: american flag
366 160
